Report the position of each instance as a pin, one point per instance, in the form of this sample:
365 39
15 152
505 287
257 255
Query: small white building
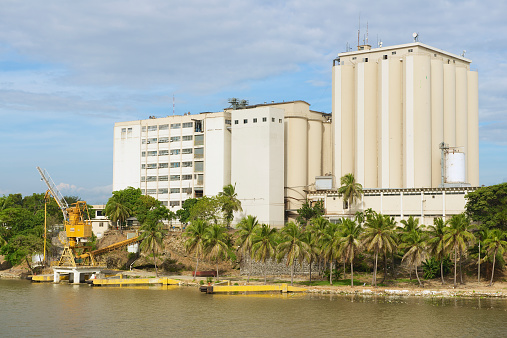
100 223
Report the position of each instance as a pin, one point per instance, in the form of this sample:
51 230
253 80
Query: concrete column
443 205
336 120
77 276
437 119
450 104
315 133
401 205
383 137
462 111
56 277
395 124
359 125
473 129
370 125
347 127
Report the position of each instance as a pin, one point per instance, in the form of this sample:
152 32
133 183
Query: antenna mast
173 104
359 30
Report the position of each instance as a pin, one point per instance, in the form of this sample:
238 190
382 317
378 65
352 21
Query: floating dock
283 288
133 281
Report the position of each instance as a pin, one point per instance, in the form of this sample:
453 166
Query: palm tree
196 239
217 243
379 235
410 224
436 243
318 227
415 242
350 189
311 239
330 243
247 228
495 244
292 247
264 245
349 244
152 238
230 202
117 212
457 236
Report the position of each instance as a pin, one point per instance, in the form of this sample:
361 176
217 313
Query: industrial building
404 122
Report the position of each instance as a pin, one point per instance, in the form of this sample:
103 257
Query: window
199 126
228 122
163 127
101 224
143 128
175 139
151 179
199 140
176 126
152 128
236 121
200 181
188 125
186 164
254 120
151 191
175 151
187 151
151 140
143 178
129 132
149 166
162 165
163 152
186 177
353 58
174 203
393 53
199 167
143 154
279 120
410 50
187 191
175 164
162 178
384 57
175 190
345 205
164 203
175 177
162 190
199 153
264 119
187 138
365 59
163 140
245 121
272 119
152 153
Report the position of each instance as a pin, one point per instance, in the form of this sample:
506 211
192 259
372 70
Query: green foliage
206 208
431 267
488 205
229 202
184 213
350 189
308 211
21 246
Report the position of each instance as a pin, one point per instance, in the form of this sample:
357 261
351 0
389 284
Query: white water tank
455 167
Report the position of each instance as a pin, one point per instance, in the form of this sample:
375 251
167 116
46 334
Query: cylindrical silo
395 124
347 129
314 150
437 119
296 172
450 104
370 125
462 110
473 129
327 149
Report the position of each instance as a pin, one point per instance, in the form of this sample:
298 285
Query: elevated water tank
455 167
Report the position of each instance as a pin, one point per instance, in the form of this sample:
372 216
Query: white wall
127 155
217 155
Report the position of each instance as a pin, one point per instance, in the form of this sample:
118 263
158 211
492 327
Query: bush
431 267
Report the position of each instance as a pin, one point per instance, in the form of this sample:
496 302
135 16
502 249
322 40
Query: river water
43 310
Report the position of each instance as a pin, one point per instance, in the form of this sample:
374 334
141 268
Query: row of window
170 191
198 166
165 178
166 126
199 139
167 152
264 119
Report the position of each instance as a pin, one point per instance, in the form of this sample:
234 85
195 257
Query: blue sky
70 69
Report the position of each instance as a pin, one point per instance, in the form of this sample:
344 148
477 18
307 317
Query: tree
184 213
318 228
195 235
308 211
350 189
152 235
217 243
495 245
488 205
379 235
264 245
436 243
349 244
22 246
117 212
206 208
311 239
230 203
247 228
415 242
330 242
292 247
457 236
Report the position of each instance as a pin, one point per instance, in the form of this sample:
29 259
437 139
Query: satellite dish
415 36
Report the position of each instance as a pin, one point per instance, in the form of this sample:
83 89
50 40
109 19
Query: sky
70 69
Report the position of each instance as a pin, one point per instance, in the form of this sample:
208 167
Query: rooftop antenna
366 32
173 104
464 52
415 35
359 30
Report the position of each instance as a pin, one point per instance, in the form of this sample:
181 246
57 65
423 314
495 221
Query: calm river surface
61 310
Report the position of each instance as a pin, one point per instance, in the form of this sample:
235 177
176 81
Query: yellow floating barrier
134 281
283 288
42 278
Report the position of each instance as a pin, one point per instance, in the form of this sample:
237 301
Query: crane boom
60 200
